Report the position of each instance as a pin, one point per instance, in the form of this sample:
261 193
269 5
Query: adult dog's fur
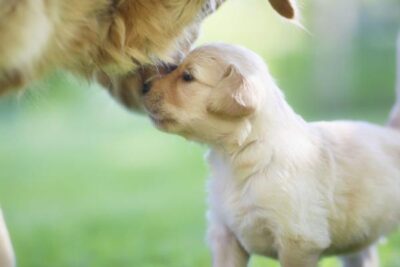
109 38
86 36
280 187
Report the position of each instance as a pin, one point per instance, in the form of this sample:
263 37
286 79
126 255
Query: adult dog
110 37
118 41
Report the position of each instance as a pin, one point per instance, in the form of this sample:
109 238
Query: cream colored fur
280 186
6 253
395 114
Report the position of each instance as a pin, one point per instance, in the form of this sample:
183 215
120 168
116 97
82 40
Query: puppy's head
126 87
210 95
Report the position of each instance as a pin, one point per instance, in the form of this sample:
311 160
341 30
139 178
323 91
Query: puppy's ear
233 97
286 8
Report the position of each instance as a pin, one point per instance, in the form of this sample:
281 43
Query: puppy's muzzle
165 70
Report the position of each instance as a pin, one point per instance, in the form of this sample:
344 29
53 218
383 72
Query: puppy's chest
237 207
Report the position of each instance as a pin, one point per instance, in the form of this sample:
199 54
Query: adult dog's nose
146 88
170 68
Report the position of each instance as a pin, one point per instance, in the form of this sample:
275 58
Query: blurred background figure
6 251
353 40
85 183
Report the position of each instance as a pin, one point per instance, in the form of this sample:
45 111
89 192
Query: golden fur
113 36
110 39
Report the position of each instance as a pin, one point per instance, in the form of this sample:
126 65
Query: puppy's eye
187 77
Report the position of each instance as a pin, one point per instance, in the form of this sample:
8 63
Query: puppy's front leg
225 248
296 256
366 258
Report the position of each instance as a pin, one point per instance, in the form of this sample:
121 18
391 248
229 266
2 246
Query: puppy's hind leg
394 120
6 252
366 258
295 256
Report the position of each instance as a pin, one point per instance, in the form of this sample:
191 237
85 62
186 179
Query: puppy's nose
146 88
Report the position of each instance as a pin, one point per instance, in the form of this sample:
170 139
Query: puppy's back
364 161
362 140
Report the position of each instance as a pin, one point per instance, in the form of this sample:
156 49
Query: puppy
280 187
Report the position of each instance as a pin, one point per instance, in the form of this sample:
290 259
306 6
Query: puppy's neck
275 134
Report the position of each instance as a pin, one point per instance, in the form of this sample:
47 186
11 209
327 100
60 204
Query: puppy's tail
394 119
7 258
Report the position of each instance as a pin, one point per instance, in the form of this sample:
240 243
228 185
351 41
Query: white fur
280 187
6 253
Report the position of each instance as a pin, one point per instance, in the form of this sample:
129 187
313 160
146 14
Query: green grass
89 186
96 190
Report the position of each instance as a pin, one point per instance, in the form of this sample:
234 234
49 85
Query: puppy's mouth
162 122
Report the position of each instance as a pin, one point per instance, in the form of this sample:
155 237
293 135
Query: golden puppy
280 187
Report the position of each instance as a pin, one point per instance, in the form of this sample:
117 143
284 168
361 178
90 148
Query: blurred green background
85 183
